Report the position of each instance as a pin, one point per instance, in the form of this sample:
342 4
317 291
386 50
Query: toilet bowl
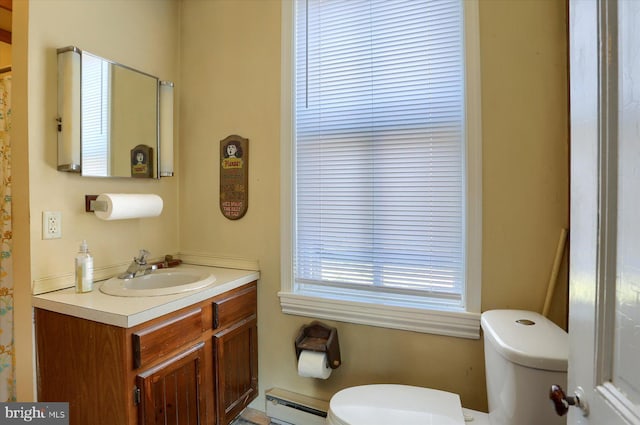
525 353
390 404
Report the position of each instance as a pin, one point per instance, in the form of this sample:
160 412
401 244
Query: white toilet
525 353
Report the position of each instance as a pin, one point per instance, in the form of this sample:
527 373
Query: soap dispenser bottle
84 269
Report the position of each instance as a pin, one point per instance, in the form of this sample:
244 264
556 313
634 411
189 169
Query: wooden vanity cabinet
197 365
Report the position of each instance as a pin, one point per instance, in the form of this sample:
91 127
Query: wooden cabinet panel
75 365
234 307
155 342
171 392
236 361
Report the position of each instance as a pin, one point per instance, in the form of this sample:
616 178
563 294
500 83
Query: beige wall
5 54
228 53
526 149
143 34
231 85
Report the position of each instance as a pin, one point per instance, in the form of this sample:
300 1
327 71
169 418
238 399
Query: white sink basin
159 282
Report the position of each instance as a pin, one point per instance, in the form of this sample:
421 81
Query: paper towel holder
91 204
321 338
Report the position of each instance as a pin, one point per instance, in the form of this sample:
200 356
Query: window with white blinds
379 131
96 104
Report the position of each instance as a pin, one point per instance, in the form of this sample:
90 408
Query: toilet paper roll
120 206
313 364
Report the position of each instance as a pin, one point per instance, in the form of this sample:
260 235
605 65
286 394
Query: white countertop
131 311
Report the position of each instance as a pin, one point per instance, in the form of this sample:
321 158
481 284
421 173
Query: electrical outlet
51 225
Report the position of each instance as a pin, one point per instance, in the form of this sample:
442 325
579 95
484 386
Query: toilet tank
525 353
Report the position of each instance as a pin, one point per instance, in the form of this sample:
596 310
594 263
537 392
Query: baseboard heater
288 408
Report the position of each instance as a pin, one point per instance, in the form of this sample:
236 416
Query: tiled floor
252 417
241 421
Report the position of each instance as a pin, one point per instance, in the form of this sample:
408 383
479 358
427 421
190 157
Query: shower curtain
7 353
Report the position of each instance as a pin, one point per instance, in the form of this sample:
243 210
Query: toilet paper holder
321 338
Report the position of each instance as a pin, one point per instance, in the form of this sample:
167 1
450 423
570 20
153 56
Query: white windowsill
456 324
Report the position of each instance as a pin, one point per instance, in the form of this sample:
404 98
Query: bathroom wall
230 70
143 34
5 54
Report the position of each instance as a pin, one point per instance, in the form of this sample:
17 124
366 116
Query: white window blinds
96 104
379 173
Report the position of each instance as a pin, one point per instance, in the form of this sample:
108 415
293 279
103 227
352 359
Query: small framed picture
141 164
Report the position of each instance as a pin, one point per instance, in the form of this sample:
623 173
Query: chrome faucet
138 266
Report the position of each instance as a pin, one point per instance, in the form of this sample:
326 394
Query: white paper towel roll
120 206
313 364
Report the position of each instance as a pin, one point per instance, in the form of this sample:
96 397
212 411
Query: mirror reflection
118 119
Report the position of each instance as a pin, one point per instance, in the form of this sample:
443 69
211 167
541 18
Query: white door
604 319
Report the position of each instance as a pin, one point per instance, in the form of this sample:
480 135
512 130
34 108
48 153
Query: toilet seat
385 404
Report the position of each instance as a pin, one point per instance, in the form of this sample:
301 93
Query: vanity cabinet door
172 392
236 369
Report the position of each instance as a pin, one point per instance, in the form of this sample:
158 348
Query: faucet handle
142 257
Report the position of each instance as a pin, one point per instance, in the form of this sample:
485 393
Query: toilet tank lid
527 338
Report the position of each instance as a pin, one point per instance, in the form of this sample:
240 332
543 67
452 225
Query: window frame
464 323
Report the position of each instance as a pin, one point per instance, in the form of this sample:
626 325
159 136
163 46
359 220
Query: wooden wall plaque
141 161
234 177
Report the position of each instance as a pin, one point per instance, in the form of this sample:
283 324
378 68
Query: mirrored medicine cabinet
113 120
